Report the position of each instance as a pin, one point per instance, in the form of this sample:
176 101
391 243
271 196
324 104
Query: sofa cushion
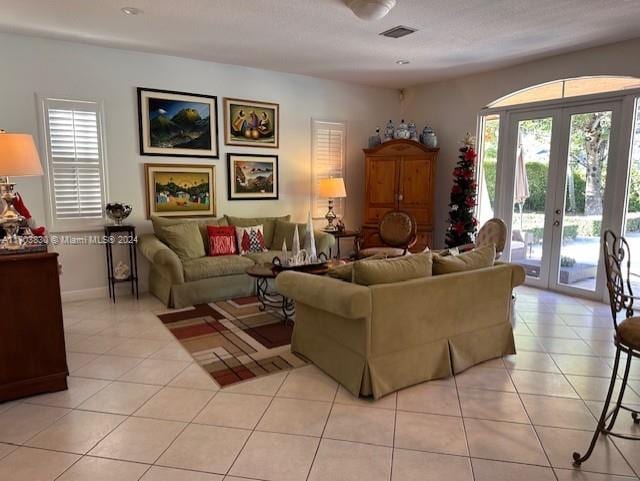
201 222
284 232
263 257
185 240
475 259
205 267
268 223
387 271
345 271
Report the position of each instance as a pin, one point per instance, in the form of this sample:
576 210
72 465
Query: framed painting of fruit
251 124
177 124
252 177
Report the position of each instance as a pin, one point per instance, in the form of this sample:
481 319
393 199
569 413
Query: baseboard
85 294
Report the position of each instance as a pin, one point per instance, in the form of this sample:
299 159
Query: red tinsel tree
462 223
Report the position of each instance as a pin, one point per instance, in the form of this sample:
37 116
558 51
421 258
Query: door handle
556 223
400 197
558 211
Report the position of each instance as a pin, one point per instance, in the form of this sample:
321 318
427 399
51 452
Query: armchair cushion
185 240
386 271
474 259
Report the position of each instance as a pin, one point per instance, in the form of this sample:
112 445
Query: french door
558 176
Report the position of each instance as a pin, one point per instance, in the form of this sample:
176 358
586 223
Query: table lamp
332 188
18 157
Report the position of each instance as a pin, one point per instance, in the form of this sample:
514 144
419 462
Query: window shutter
329 140
75 162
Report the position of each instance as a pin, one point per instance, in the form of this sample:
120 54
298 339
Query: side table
124 234
345 234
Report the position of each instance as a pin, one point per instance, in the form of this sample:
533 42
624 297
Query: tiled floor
138 408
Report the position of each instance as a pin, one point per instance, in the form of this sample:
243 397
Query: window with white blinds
75 163
328 159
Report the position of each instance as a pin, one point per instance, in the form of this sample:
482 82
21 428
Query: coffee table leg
274 300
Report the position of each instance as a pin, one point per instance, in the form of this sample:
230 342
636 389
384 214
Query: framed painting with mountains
252 177
177 124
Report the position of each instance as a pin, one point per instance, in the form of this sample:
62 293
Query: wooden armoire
399 175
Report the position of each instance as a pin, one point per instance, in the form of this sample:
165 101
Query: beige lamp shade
332 188
18 156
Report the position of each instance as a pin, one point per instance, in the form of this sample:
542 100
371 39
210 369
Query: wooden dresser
32 351
399 175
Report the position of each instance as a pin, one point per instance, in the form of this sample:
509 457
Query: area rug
233 340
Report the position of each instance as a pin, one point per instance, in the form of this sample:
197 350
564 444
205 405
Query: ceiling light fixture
370 9
403 62
131 11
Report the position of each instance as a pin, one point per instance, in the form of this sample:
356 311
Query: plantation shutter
75 162
329 141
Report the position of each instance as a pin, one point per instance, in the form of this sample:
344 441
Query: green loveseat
183 282
378 339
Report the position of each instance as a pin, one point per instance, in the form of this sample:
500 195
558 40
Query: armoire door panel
382 182
415 183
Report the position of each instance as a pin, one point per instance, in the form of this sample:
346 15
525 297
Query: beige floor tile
579 475
486 470
531 361
429 432
137 347
99 469
308 383
528 343
234 410
175 404
602 348
630 449
595 389
596 333
494 405
345 461
582 365
172 352
602 322
542 383
158 473
89 327
120 398
276 457
77 432
484 378
429 398
155 371
295 416
5 449
75 360
502 441
24 421
157 333
108 367
417 466
196 378
263 386
624 423
577 347
79 390
91 344
558 412
205 448
138 439
560 444
4 406
386 402
552 330
28 464
360 424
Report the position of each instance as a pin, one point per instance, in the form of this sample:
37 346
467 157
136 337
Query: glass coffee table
262 273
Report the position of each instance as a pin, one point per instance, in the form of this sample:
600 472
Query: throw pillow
268 226
345 272
160 222
185 240
387 271
222 240
475 259
250 239
284 232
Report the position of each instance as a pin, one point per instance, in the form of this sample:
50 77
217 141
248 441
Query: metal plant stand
616 252
128 232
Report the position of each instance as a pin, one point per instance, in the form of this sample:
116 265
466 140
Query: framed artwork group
181 124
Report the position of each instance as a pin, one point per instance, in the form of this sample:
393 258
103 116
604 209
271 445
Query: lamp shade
18 155
332 188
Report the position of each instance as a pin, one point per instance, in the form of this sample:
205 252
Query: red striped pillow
222 240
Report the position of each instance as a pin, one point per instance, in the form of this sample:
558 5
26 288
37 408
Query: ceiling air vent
399 31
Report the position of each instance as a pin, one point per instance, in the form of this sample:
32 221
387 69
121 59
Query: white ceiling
324 38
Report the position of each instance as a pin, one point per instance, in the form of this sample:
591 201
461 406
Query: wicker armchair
397 232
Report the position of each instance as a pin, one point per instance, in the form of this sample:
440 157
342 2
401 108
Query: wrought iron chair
626 338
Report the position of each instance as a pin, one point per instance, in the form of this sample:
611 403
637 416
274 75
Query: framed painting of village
177 190
252 177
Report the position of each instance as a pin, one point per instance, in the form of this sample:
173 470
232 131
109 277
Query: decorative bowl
117 211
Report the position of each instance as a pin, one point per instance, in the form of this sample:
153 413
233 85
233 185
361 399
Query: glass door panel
632 218
531 184
584 189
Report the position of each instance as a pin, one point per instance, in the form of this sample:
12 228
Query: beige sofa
186 282
382 338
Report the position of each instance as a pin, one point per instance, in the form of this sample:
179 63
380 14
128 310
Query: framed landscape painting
177 124
180 190
252 176
250 123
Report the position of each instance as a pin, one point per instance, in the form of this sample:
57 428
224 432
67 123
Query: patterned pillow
250 239
222 240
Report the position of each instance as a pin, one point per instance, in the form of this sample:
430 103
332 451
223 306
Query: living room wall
47 67
451 106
